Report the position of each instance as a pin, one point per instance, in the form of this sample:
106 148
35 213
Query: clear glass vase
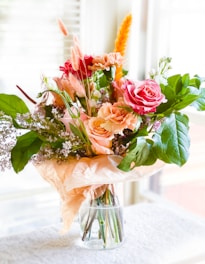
101 220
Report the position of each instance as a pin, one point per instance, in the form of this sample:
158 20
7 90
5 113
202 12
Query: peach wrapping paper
74 179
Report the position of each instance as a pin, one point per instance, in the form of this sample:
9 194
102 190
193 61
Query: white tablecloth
155 234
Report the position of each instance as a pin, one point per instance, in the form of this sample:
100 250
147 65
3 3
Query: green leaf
196 82
187 96
179 92
76 131
175 83
12 104
110 75
172 141
102 82
26 146
151 158
173 87
137 155
185 80
124 72
199 104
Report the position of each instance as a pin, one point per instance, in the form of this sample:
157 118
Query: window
176 31
31 43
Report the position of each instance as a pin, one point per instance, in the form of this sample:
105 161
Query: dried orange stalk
121 41
62 27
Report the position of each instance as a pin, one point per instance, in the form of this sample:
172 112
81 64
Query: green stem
109 221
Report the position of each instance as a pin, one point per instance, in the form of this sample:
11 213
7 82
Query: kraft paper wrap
74 179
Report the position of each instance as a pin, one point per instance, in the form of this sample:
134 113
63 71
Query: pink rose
117 117
143 96
100 138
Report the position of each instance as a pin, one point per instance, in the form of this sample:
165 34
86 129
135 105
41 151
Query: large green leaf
137 155
12 104
27 145
172 141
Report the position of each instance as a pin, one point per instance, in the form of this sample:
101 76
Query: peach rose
100 138
117 117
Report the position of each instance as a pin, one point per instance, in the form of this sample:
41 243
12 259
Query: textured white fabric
155 234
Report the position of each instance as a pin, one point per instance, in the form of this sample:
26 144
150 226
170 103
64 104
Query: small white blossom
160 74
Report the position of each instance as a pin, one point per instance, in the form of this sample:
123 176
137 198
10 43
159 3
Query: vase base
101 221
99 245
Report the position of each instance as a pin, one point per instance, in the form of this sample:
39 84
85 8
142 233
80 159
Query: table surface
156 233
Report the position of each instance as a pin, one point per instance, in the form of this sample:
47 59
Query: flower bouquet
93 126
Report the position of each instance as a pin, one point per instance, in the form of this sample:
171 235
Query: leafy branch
170 142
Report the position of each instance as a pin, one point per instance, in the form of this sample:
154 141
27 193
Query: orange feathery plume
121 41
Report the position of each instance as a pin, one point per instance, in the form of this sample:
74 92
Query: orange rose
100 138
117 117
